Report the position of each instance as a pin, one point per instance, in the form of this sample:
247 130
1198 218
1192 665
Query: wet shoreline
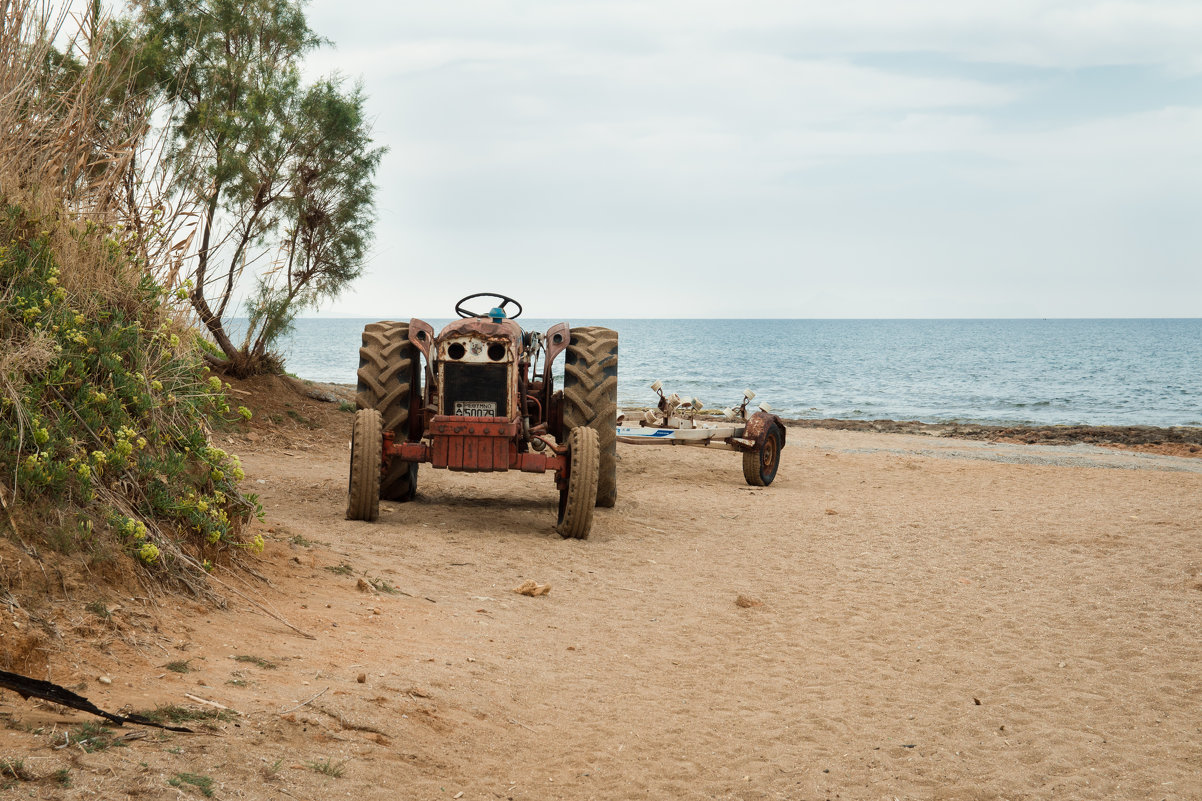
1176 440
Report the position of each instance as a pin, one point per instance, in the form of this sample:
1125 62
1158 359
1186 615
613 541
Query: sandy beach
899 616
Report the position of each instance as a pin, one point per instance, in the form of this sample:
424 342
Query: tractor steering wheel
505 301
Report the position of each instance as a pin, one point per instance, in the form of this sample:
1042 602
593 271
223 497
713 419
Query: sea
1002 372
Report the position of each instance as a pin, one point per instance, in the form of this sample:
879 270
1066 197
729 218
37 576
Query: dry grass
68 141
65 138
77 142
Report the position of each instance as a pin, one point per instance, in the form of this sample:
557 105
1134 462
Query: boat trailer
759 437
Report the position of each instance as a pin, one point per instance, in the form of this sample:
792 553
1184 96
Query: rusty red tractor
480 397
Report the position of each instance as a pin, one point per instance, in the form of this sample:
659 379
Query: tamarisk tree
280 174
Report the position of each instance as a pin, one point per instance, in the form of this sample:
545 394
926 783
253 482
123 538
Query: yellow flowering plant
111 407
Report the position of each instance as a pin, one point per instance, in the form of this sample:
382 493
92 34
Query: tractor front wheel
761 464
590 398
389 381
577 499
367 450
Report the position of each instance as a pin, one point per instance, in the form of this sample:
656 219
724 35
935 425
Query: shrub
107 403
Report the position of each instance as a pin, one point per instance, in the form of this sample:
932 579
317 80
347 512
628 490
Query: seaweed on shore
1187 438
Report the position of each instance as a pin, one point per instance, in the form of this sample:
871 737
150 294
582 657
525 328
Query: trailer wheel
590 398
577 499
760 465
367 448
389 381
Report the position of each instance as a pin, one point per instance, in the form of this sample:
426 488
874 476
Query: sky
855 159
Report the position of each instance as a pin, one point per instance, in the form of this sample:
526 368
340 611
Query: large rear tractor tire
367 449
761 464
590 398
389 380
576 501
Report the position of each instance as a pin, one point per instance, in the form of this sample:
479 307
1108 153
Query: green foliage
201 782
383 585
173 713
328 767
11 768
106 403
282 173
92 736
257 661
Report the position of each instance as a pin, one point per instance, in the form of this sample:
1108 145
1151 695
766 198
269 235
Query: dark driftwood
55 693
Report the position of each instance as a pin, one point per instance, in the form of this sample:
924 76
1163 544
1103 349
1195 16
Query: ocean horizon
999 371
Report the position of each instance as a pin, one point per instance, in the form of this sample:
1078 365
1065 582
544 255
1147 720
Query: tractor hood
483 328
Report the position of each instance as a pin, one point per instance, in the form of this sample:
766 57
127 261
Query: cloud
1060 33
871 158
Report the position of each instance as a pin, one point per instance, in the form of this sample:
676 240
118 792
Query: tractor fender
758 425
421 334
555 342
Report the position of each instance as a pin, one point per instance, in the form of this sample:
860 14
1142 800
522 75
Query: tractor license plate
475 409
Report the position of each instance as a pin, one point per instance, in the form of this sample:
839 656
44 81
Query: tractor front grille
475 383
